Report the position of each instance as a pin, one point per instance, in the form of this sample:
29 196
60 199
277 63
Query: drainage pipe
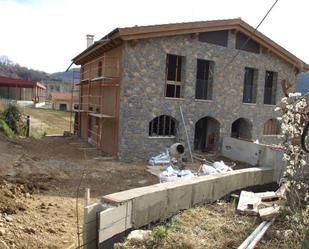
256 235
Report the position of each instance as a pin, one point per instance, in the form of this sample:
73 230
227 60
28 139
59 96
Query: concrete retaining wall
138 207
254 154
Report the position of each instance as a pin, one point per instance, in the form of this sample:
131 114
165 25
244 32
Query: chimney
89 40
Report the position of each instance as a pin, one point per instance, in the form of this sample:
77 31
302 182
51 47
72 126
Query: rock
2 231
8 218
50 230
29 230
140 235
27 195
11 174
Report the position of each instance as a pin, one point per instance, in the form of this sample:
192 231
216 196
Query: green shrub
5 128
13 118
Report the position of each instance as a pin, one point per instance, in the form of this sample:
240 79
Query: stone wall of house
143 89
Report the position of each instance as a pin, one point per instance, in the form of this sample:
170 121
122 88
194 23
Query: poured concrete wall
254 154
141 206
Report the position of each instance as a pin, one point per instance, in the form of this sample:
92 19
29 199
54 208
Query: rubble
264 204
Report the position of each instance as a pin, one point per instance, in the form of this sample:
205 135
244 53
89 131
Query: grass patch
45 121
6 129
214 226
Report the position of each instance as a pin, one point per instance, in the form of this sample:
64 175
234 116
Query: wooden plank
269 212
267 195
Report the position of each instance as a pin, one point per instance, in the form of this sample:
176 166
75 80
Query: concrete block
115 220
179 197
90 233
150 208
202 191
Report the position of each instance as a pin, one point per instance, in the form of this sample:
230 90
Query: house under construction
135 80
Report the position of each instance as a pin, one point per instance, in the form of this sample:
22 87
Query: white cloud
46 35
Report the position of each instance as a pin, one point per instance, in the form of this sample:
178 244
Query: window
62 107
272 127
173 76
204 79
243 43
270 88
99 68
162 126
214 37
97 121
250 85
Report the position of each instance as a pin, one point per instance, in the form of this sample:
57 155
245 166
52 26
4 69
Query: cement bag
222 167
185 174
208 170
168 175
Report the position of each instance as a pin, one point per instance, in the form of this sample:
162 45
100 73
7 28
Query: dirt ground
38 187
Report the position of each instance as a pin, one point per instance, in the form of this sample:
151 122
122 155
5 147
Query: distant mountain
58 82
11 69
68 76
302 83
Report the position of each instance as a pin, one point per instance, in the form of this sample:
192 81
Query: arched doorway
207 133
242 128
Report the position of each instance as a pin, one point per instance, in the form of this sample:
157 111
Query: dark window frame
163 126
245 43
219 38
250 85
204 79
173 76
270 88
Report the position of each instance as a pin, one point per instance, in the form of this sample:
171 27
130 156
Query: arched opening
242 128
271 127
207 134
163 126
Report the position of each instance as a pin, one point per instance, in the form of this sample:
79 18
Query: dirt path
38 182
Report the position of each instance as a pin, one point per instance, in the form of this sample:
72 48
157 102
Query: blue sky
46 35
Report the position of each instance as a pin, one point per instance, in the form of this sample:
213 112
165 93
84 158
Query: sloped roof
13 82
118 35
63 96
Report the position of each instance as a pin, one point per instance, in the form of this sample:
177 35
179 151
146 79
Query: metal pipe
260 234
256 235
248 240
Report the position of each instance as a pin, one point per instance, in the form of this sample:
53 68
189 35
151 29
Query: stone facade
143 98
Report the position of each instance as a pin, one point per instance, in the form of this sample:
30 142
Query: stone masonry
143 98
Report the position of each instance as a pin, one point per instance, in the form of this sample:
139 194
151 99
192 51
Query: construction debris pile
264 204
174 167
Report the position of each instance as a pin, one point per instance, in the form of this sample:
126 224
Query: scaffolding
98 96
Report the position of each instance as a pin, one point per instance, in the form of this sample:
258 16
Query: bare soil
38 188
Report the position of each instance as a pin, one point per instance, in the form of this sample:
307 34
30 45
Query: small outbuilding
24 92
64 101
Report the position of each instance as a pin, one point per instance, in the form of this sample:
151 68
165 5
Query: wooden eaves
117 36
